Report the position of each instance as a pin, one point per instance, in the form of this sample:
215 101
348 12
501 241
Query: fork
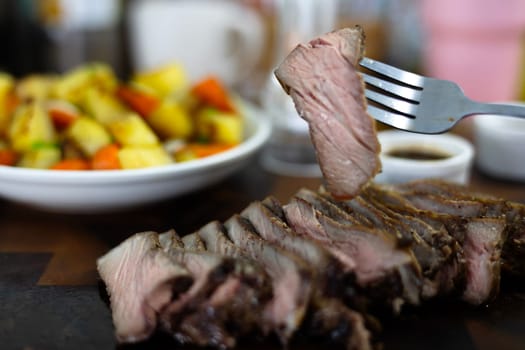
415 103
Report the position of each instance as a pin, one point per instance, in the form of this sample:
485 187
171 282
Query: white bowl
102 191
454 167
500 146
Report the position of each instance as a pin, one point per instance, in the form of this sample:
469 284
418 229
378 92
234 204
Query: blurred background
478 43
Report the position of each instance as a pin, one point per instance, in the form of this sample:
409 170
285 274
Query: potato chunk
165 81
170 120
88 135
40 158
135 157
132 130
31 124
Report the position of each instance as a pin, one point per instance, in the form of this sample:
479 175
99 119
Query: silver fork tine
391 102
393 119
392 72
404 92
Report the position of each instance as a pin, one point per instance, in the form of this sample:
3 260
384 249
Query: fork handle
499 109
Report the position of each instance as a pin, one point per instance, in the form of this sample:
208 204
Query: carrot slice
204 150
106 158
8 157
71 164
212 93
61 118
140 101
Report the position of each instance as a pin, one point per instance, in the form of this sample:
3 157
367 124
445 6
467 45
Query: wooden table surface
50 296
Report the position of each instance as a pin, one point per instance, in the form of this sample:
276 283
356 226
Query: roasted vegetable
73 86
135 157
88 119
219 127
132 130
30 125
106 158
170 120
88 135
103 106
7 84
40 157
165 81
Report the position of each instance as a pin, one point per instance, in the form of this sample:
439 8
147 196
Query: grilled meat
323 81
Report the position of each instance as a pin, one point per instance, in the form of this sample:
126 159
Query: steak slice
333 318
429 258
514 246
483 238
331 209
214 237
437 236
328 92
386 271
291 276
482 246
226 301
141 280
444 233
332 277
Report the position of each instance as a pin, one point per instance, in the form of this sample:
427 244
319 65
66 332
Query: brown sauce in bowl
419 153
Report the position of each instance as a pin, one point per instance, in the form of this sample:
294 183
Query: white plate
101 191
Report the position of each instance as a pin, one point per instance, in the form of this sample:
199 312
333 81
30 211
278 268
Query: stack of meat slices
329 261
316 263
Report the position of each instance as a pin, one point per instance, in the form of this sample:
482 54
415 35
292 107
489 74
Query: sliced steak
437 236
291 276
482 246
483 234
226 303
214 237
141 280
373 217
380 266
490 206
332 277
444 233
330 209
429 258
328 92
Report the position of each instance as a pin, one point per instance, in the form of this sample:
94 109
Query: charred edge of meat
225 325
379 219
329 208
440 238
334 322
193 242
228 306
513 253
